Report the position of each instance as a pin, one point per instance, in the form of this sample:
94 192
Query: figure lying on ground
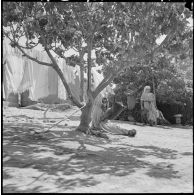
100 118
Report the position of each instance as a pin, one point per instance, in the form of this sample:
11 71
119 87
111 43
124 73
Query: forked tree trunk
86 111
85 117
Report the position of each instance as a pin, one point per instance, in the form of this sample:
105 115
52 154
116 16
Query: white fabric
39 88
52 81
44 79
15 70
97 78
8 82
22 74
72 78
16 75
27 79
3 91
62 94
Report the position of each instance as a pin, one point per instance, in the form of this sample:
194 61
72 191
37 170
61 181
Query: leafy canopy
119 33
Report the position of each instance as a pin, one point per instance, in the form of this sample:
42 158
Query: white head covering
145 94
145 88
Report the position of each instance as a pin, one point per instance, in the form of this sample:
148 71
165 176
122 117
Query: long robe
149 104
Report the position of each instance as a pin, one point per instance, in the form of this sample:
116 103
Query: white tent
42 82
21 74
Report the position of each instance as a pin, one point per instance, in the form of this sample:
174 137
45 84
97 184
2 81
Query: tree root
82 129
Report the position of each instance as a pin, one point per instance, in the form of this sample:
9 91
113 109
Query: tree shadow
71 183
187 153
10 188
67 161
162 170
74 118
163 153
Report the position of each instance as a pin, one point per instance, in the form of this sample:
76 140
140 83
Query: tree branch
61 75
102 82
33 59
75 49
58 53
26 55
80 23
12 32
81 54
89 45
29 47
51 57
105 82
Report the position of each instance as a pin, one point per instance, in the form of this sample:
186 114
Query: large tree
122 34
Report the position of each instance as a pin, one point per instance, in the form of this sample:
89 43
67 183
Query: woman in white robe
148 103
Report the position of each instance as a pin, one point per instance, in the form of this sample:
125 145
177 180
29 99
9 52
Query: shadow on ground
47 154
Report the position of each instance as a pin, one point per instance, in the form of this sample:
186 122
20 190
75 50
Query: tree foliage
118 30
171 77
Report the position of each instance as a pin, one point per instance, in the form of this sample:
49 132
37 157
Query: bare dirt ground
157 159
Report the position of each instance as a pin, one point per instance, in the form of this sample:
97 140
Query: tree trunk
89 45
60 74
86 111
82 62
85 117
82 82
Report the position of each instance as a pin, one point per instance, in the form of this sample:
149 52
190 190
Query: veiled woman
148 104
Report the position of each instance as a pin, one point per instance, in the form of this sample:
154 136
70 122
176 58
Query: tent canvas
21 74
42 82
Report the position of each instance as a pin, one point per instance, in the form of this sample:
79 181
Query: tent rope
66 117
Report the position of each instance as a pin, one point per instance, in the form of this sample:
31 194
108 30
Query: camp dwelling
26 82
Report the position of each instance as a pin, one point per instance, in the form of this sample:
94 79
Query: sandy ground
157 159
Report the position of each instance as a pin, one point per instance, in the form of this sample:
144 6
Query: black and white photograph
97 97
